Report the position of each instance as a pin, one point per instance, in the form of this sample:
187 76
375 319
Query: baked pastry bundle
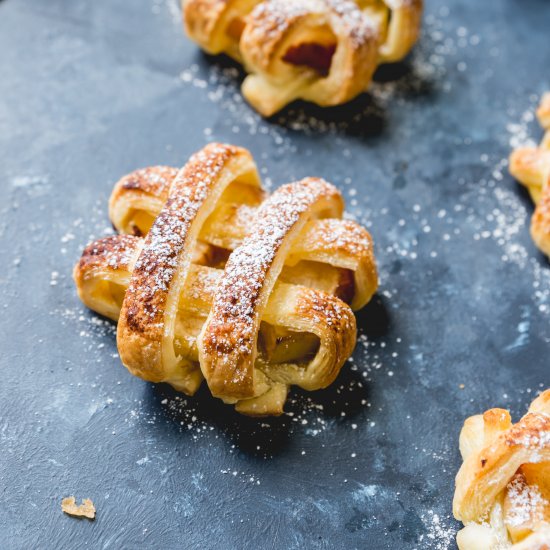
531 167
503 487
323 51
212 278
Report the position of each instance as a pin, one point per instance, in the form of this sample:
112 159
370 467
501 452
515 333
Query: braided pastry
503 487
248 292
531 167
324 51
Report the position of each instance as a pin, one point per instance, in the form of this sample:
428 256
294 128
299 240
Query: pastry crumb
84 510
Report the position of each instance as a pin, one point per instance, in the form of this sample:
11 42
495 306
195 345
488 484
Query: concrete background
92 90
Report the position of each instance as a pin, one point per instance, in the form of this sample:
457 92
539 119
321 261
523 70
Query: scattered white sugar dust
222 87
365 493
303 415
179 409
243 476
431 58
534 440
90 327
440 534
521 128
526 502
307 415
68 236
170 6
33 186
79 233
493 208
21 182
373 357
509 220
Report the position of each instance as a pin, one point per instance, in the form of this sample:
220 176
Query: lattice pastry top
246 290
503 487
324 51
531 167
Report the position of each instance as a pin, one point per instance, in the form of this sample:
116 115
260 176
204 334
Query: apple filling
312 55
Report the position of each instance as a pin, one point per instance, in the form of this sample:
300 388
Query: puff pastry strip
398 23
289 339
324 51
217 25
531 167
145 334
503 487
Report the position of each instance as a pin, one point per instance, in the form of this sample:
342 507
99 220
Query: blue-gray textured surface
90 90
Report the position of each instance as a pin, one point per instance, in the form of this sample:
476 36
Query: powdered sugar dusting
155 180
115 251
519 131
272 19
526 502
343 235
171 6
440 535
167 241
533 433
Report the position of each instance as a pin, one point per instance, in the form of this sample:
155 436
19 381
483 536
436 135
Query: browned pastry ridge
531 167
217 280
503 487
324 51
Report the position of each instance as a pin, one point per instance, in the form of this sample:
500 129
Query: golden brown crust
200 18
216 25
540 223
531 167
543 111
500 493
168 240
147 184
336 331
400 28
116 252
324 51
154 180
162 291
110 260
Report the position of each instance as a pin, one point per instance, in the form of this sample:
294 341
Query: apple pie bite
323 51
212 278
503 486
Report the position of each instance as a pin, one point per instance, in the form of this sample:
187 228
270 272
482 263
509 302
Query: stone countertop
92 90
